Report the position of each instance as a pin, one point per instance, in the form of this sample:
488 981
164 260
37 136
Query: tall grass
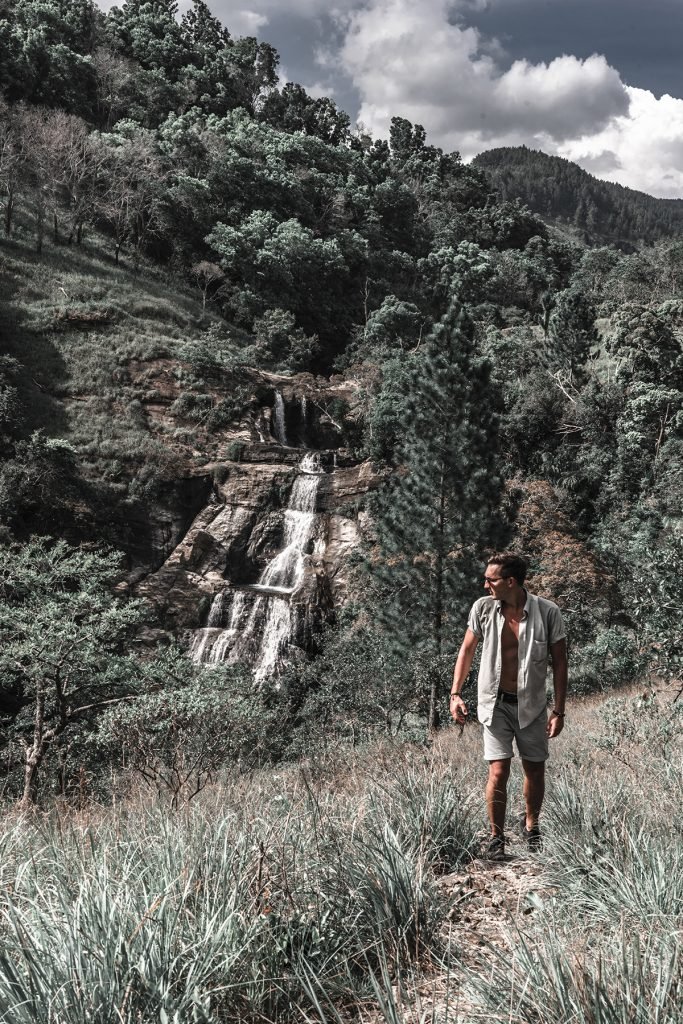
149 917
600 940
314 895
560 979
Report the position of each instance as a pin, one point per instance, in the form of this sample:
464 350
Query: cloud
410 59
234 13
646 147
423 63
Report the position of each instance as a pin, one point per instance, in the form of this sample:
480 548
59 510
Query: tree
293 110
358 686
572 331
45 53
438 510
63 636
39 481
149 32
396 325
284 264
133 198
279 343
13 161
177 739
646 344
65 162
36 126
206 274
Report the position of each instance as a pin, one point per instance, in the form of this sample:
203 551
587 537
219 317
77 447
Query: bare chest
510 633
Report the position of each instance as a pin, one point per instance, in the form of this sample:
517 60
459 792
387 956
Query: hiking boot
531 836
496 848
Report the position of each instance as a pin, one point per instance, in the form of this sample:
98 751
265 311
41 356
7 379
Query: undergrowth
313 894
241 912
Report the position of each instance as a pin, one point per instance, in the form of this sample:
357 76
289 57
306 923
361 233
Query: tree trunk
437 620
29 796
9 210
33 755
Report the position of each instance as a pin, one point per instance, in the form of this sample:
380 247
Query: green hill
597 212
193 253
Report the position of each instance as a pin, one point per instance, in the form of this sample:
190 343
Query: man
518 631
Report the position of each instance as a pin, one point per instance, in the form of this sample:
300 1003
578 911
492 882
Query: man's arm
460 674
558 657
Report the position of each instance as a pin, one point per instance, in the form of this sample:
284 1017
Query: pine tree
439 510
572 331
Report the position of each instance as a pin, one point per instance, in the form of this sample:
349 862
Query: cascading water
260 637
303 429
279 419
217 610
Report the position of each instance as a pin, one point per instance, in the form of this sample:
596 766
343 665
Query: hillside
348 889
596 212
271 391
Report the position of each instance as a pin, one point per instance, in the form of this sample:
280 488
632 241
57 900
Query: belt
507 698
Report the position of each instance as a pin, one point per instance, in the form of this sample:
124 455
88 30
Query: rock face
264 561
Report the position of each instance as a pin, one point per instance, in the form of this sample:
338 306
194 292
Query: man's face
495 583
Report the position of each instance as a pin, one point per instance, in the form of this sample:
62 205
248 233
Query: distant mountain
596 212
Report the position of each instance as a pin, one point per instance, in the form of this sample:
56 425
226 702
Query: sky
597 81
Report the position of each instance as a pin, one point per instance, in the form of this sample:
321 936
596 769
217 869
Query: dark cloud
602 164
642 38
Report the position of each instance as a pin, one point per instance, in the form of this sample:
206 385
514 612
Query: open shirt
541 626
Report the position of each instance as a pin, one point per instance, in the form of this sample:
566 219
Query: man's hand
458 709
555 726
460 674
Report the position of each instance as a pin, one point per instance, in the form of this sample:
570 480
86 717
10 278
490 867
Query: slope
597 212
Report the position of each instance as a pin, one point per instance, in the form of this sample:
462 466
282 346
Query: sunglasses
495 579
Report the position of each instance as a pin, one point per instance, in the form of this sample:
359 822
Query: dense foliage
146 158
600 212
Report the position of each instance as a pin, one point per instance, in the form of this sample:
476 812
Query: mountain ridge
568 197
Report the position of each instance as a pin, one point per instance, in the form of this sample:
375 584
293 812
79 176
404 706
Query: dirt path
487 901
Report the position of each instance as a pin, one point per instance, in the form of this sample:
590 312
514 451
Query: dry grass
343 888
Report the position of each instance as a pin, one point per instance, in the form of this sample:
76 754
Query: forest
592 211
515 387
482 356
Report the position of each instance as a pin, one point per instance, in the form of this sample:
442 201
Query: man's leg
496 794
534 790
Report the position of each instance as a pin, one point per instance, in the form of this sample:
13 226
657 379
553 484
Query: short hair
510 565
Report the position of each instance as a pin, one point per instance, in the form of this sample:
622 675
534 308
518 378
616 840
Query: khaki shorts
532 740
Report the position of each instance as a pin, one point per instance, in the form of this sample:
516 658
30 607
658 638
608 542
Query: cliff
244 480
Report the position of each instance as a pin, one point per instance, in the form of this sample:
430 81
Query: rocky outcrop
241 526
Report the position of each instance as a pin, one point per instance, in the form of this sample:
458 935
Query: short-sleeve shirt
540 627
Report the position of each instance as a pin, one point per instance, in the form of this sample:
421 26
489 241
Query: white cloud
645 148
231 12
412 60
239 20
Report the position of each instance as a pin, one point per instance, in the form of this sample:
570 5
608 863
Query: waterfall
258 636
279 419
216 611
303 429
224 642
202 643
